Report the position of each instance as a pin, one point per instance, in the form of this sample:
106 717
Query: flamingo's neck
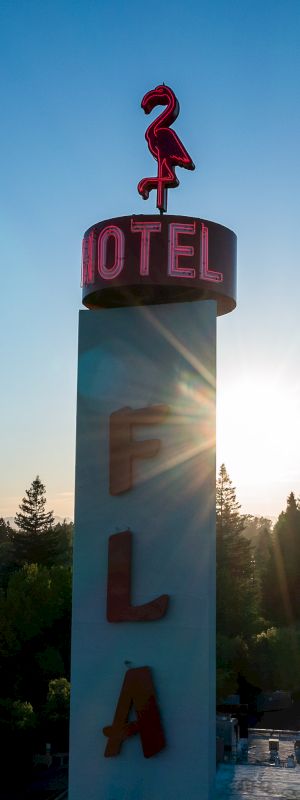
168 115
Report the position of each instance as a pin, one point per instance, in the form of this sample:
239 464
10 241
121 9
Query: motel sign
143 630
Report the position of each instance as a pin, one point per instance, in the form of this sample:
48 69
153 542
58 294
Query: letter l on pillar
119 608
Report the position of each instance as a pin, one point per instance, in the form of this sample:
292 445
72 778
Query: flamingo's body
164 145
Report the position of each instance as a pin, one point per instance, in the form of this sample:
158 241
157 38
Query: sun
258 431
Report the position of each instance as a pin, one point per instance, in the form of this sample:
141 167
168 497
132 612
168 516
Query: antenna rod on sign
165 146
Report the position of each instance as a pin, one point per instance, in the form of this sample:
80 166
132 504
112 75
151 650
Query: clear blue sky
72 151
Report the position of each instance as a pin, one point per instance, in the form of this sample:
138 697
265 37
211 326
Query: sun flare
258 431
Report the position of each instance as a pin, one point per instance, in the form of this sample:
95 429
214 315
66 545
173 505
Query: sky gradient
73 150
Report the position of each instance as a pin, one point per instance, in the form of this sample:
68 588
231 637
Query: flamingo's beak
147 102
153 98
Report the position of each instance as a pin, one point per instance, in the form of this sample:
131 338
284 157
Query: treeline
258 592
35 622
258 615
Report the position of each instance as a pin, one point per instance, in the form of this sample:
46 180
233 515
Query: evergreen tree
237 599
5 531
231 545
254 526
227 506
64 533
7 559
282 579
32 517
258 531
36 541
263 553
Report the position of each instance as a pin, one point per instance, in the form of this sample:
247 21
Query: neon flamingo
164 145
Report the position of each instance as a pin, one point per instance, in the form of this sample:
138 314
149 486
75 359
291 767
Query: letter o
109 273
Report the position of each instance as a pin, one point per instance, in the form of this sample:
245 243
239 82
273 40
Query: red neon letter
88 259
112 231
119 608
137 691
176 250
123 448
206 273
145 228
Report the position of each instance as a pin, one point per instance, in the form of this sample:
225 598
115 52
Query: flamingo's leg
166 179
146 185
162 194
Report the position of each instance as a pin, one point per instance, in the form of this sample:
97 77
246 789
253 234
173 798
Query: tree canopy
258 615
236 587
258 612
282 575
32 517
37 540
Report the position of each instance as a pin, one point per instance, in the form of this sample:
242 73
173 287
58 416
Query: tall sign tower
143 635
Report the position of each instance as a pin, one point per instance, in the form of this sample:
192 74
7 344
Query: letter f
123 448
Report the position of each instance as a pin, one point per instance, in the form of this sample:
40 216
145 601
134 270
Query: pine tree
5 531
236 583
230 523
227 506
282 580
33 518
36 540
7 562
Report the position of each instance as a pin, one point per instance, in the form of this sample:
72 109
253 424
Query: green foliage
237 595
228 514
239 616
16 715
29 601
258 580
36 597
274 662
18 724
50 661
63 532
23 716
58 700
280 593
7 553
258 611
35 541
254 527
32 517
35 622
232 658
38 540
56 713
35 630
5 531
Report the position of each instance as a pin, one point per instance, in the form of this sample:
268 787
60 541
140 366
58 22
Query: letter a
137 692
119 608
